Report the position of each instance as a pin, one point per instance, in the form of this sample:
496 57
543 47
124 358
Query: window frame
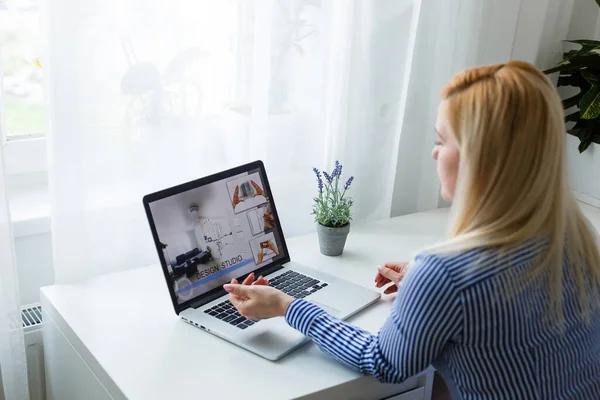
22 154
25 154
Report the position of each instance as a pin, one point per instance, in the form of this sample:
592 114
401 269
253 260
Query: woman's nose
434 153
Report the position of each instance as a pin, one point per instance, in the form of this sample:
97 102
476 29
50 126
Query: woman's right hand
256 299
393 273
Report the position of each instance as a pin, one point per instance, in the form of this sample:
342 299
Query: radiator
34 349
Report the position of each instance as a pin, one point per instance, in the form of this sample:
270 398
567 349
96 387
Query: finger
236 300
396 266
381 280
390 274
382 283
261 281
238 290
379 277
240 304
249 279
391 289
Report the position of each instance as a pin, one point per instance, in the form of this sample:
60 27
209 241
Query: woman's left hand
390 272
257 300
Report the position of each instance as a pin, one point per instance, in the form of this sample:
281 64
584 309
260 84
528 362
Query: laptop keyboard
293 283
226 312
296 285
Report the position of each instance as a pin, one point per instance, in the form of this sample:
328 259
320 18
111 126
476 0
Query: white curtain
13 364
145 94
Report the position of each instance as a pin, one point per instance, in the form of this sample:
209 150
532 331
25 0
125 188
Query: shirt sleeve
426 315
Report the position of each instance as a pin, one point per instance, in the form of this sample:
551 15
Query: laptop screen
215 232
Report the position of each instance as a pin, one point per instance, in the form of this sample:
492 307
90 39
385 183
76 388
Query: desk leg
428 376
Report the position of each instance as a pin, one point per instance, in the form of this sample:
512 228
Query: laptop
226 226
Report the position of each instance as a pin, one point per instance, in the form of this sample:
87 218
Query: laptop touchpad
329 310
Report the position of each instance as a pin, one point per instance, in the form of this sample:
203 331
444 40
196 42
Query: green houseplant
580 68
332 210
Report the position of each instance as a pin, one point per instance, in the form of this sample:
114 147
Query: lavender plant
332 206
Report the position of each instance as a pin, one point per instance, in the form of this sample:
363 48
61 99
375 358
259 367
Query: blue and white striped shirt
455 310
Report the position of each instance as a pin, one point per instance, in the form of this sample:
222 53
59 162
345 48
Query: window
21 70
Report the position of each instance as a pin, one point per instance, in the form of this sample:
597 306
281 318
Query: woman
510 302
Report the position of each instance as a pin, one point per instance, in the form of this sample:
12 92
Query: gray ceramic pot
332 240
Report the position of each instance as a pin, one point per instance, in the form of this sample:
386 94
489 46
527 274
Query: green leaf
591 77
589 105
587 46
575 80
584 145
567 56
581 127
576 63
585 140
573 117
562 68
598 2
582 124
586 131
574 132
572 101
585 42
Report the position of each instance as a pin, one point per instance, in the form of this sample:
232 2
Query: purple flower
319 180
349 182
337 171
328 177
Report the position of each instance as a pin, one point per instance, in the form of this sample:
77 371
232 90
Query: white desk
117 337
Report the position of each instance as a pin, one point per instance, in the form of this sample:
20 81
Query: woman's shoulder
451 260
468 267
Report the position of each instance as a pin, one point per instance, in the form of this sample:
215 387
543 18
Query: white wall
584 168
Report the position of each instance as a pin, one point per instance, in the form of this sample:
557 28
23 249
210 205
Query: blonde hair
507 120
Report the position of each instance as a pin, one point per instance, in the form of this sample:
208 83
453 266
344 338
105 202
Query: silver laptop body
225 226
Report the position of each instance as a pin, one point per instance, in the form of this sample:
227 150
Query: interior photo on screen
264 248
246 192
207 238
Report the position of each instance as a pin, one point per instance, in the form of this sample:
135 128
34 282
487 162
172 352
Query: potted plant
580 68
332 210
